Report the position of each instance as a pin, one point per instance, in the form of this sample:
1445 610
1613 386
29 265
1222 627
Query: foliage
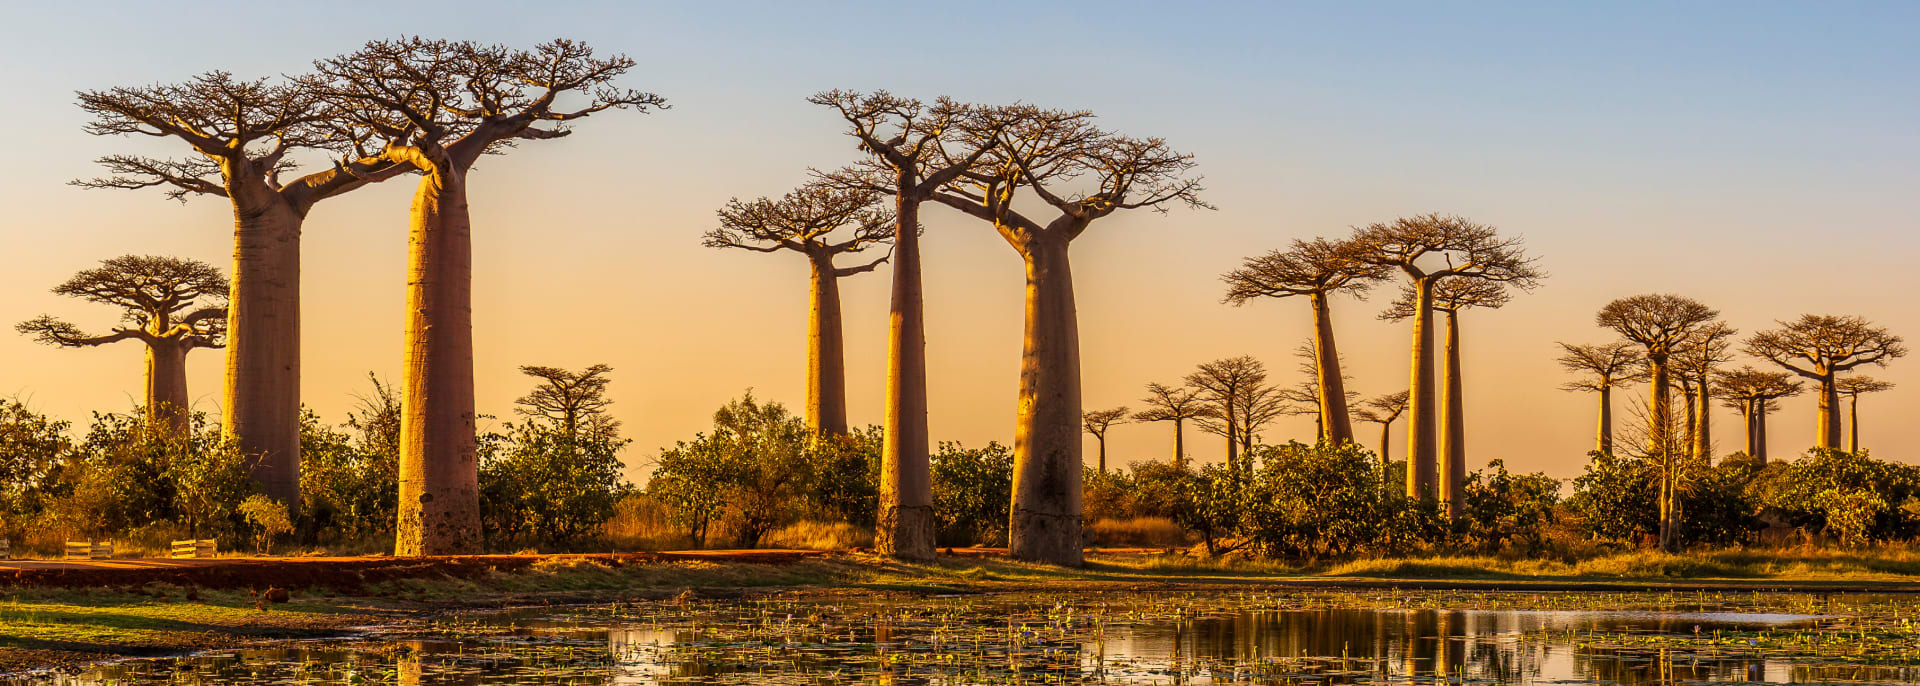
1314 500
268 517
1850 496
1500 508
1617 497
31 447
972 493
755 471
555 478
846 478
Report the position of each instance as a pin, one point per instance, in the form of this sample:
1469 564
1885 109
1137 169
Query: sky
1760 157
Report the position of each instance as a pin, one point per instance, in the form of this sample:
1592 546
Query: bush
1617 497
1314 500
1849 496
268 517
1499 508
972 493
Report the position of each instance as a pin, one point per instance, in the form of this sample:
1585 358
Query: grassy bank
51 627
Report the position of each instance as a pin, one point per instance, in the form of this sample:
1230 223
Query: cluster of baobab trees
1675 343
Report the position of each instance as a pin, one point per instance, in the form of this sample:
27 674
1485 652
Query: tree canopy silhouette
1315 269
1175 404
1820 348
1604 367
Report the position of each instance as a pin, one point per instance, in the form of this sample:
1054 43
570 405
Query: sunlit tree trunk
439 492
1703 421
1747 418
1179 444
1102 441
167 400
1760 433
1853 424
1453 424
1604 442
1336 424
1421 411
262 409
1660 442
1829 417
1386 458
906 490
826 352
1045 523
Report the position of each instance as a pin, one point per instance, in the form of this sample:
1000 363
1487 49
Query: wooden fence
89 550
193 548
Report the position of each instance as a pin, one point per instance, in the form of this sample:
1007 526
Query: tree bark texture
1453 425
1179 444
439 490
1703 422
1660 443
1760 433
1045 524
1422 451
167 399
262 409
826 352
905 527
1853 424
1336 423
1604 442
1829 416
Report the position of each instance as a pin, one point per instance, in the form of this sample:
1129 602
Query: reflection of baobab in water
174 305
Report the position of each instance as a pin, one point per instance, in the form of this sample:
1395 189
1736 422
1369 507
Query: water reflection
1016 640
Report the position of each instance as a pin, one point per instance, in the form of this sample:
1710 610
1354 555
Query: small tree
269 520
1383 410
1820 348
1853 387
1603 367
1227 386
1098 422
1662 324
172 305
1755 394
1174 404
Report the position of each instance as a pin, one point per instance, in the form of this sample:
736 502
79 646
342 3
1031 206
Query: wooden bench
193 549
89 550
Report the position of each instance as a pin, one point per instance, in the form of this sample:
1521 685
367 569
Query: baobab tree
1450 295
1079 174
1383 410
804 221
1694 365
439 106
1098 422
1226 386
567 397
1174 404
911 151
1316 269
1852 387
171 305
1603 367
1755 394
1820 348
1305 398
1426 249
1660 323
242 137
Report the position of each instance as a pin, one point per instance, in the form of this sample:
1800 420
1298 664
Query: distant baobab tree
1661 323
1175 404
173 306
242 137
1383 410
1755 394
911 151
1226 386
439 106
1451 295
1463 249
567 398
1694 365
1853 387
1305 398
1820 348
1078 174
1603 367
1316 269
1098 422
804 221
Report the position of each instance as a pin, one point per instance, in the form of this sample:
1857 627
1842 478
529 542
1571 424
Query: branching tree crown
1605 365
1383 409
160 298
1857 385
569 399
1172 403
1450 294
1319 266
1743 387
802 221
1659 322
1459 246
1098 422
1816 346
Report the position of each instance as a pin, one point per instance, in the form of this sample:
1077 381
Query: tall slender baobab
242 136
1852 387
1098 422
1317 269
911 152
1174 404
1306 398
1079 174
1820 348
173 306
1661 323
439 106
802 221
1429 248
1755 394
1694 365
1451 295
1383 410
1226 386
1603 367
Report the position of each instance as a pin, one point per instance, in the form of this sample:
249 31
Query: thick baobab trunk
1453 425
167 399
1660 443
1386 459
1421 412
826 353
905 527
1829 416
1336 424
1703 422
1853 424
1747 417
439 491
1692 425
1760 433
1179 445
1604 442
1102 440
262 409
1045 524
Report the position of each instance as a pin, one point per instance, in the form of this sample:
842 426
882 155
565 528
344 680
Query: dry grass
1141 532
640 523
818 536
